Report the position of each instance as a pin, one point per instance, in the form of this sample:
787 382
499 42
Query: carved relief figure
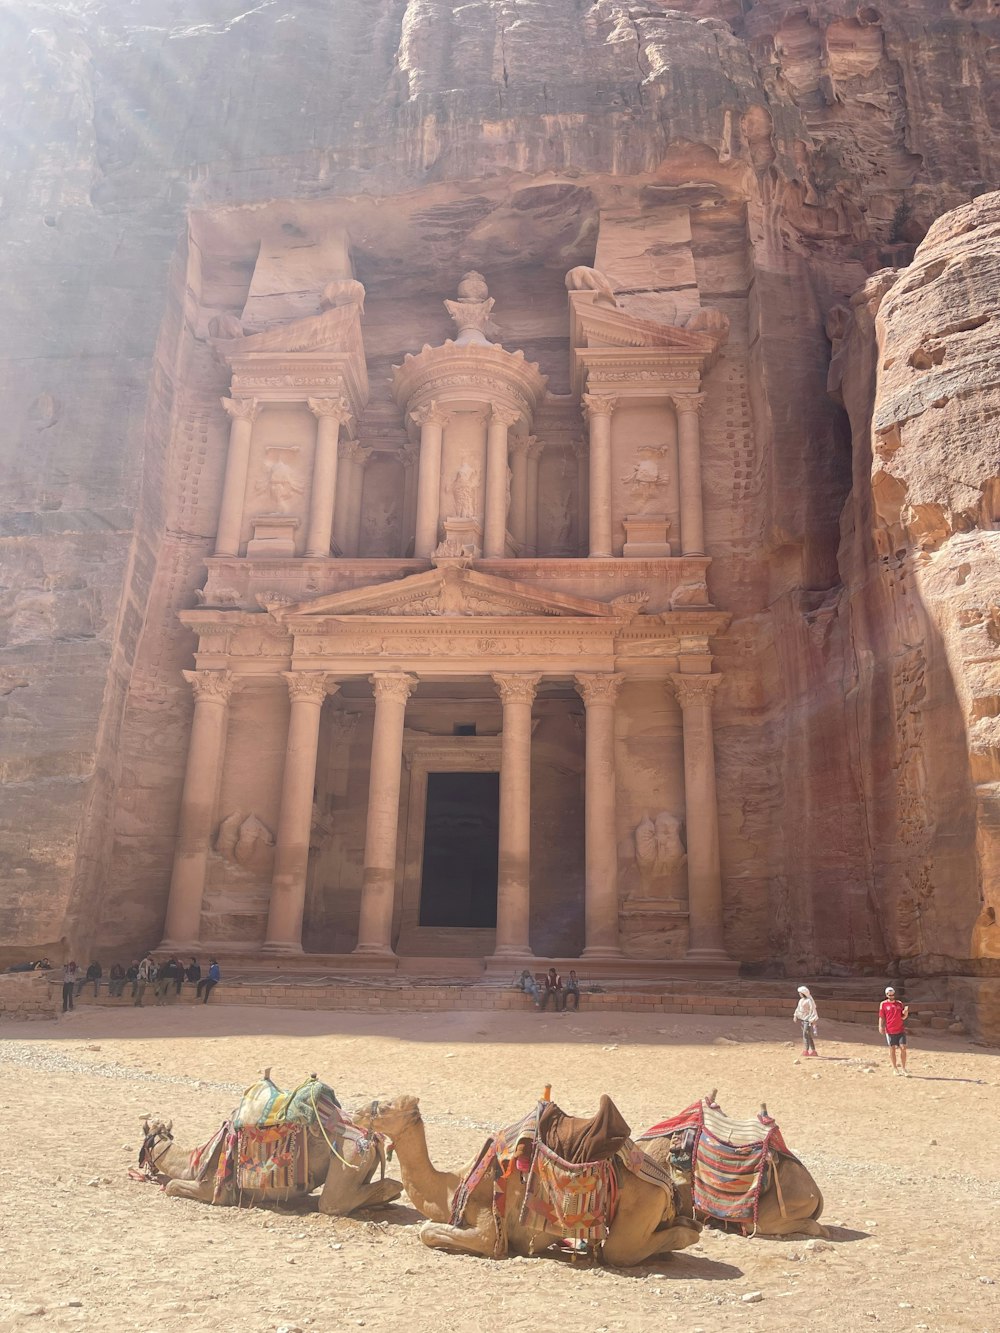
659 851
584 279
646 478
561 516
465 489
281 483
380 528
246 841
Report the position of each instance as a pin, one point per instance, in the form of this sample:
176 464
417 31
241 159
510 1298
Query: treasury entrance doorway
458 883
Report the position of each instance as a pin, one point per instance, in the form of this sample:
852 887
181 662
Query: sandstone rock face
761 157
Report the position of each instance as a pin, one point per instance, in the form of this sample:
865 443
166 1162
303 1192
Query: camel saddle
575 1138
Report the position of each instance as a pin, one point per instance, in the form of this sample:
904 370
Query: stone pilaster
535 450
408 457
517 693
306 690
330 414
358 459
695 694
432 421
517 451
378 887
212 692
598 409
688 408
242 413
582 455
495 527
599 691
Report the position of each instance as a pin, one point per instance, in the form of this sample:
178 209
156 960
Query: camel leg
480 1239
381 1192
790 1226
623 1251
199 1190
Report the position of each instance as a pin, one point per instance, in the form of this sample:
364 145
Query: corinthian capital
598 687
506 416
515 688
536 447
338 408
354 452
213 686
313 686
696 691
431 414
240 409
395 685
688 402
598 405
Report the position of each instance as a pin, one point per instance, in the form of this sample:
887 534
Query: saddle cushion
582 1139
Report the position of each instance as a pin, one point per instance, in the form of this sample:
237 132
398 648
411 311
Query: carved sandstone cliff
804 145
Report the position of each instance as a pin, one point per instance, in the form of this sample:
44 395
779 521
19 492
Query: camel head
389 1117
154 1131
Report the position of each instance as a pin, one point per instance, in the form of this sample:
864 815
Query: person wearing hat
892 1016
807 1014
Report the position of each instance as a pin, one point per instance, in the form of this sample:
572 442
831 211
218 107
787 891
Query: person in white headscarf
807 1015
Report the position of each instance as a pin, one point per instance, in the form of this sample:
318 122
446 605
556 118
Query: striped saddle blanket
728 1160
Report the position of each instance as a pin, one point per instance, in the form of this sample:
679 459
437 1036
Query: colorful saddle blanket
728 1160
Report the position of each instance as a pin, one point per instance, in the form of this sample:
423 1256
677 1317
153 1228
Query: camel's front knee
383 1191
442 1236
189 1189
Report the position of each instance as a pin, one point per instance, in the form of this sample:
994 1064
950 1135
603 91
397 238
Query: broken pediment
453 590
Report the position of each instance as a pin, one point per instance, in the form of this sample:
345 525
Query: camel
341 1162
644 1224
790 1201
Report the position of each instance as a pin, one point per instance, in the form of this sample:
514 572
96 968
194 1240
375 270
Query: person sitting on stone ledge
209 983
132 976
94 974
572 988
527 983
171 971
193 973
116 981
553 991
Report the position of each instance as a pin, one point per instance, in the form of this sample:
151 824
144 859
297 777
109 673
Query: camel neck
429 1190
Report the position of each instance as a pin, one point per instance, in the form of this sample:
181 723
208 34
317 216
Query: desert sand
908 1168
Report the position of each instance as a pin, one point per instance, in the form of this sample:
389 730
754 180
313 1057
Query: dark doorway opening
458 884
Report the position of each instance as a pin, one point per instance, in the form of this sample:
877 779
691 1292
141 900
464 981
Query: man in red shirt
892 1016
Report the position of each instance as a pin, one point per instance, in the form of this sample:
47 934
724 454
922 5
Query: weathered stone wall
818 141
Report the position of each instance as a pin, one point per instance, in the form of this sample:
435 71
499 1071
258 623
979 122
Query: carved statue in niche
380 527
465 489
561 515
246 841
281 483
646 478
659 852
471 312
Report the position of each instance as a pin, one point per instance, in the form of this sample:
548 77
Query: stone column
517 449
358 459
514 866
598 411
212 691
330 414
408 456
599 691
432 421
306 690
688 408
695 694
378 887
242 414
582 497
495 526
535 448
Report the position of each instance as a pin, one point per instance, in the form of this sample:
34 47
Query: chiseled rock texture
814 141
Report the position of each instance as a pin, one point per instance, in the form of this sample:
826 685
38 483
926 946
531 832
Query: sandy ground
909 1169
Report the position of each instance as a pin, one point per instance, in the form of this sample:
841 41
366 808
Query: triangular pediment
601 326
453 590
335 330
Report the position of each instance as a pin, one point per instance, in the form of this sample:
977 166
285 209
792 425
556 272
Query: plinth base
646 536
273 536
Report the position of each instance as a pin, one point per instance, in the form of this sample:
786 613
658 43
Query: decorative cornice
696 690
240 409
598 687
394 685
211 686
516 688
312 686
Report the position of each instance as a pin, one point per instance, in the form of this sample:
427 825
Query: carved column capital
598 405
214 686
518 445
344 724
395 685
313 686
431 414
241 409
506 416
515 688
598 687
354 452
688 402
408 455
698 690
338 408
536 447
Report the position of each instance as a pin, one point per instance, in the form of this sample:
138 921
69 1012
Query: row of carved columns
307 692
685 463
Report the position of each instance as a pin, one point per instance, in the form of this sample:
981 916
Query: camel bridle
147 1160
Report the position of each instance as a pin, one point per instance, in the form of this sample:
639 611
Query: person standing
807 1014
116 981
892 1016
210 982
145 974
69 983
